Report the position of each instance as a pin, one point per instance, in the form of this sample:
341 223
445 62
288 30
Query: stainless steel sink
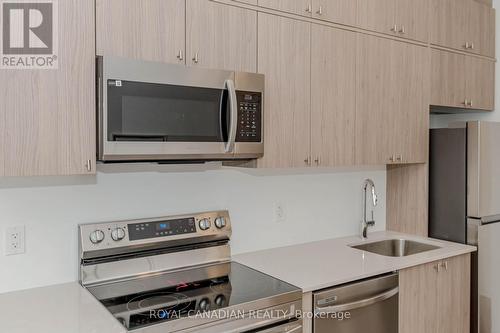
395 247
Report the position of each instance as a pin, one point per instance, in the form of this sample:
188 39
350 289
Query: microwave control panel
249 116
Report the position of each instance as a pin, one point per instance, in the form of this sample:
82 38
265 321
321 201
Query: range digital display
146 230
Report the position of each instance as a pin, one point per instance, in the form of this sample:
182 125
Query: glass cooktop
162 298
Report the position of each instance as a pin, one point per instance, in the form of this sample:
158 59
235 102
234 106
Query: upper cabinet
401 18
462 81
48 115
299 7
466 25
285 58
333 96
392 103
151 30
221 36
337 11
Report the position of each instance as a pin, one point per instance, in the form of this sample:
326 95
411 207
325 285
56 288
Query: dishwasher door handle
358 304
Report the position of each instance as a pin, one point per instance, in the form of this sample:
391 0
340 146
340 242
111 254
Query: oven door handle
233 107
288 328
358 304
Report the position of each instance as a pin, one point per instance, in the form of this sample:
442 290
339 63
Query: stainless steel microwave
151 111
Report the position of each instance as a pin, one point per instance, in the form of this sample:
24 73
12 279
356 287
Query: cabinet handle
88 165
395 28
472 46
317 160
470 103
399 158
307 160
195 58
180 56
437 267
320 10
402 30
466 102
445 265
466 45
309 8
392 158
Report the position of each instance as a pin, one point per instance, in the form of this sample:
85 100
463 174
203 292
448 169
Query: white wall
439 121
317 205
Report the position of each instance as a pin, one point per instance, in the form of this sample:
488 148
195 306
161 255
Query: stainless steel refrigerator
464 207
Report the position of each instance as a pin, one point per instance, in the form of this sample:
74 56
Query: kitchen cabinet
465 25
284 57
333 103
221 36
299 7
151 30
311 95
462 81
435 297
391 102
401 18
48 116
337 11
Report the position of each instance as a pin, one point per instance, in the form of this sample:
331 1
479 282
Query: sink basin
395 247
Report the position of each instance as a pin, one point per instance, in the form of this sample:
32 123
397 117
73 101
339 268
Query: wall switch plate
15 240
279 212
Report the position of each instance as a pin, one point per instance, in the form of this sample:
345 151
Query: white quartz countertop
323 264
62 308
69 308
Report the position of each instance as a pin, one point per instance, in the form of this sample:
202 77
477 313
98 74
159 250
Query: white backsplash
318 205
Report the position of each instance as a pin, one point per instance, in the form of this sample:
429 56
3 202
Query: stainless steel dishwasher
364 306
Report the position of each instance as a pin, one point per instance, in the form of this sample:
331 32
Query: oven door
156 111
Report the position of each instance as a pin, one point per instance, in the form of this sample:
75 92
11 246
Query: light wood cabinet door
480 83
435 297
49 115
333 99
411 76
453 290
377 15
375 101
412 18
449 23
418 300
337 11
151 30
284 57
299 7
447 79
481 28
221 36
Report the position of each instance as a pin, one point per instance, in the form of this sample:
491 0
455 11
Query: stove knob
96 236
204 224
118 234
220 300
220 222
204 304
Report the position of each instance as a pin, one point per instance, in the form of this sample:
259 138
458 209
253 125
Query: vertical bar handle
233 107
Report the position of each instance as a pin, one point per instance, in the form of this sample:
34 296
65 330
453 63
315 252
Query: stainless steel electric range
175 273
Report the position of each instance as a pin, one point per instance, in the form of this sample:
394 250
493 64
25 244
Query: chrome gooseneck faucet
365 224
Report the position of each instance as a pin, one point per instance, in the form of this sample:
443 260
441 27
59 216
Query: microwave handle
233 107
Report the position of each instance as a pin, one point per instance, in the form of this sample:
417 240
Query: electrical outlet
279 212
15 240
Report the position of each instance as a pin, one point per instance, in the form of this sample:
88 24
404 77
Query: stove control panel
108 235
162 228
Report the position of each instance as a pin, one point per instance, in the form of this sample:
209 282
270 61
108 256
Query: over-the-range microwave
150 111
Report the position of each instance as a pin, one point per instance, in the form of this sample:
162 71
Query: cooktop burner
187 293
